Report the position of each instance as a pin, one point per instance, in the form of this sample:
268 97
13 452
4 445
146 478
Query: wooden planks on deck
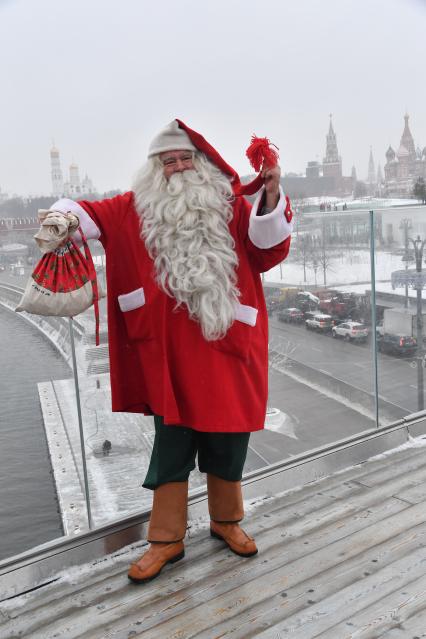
341 558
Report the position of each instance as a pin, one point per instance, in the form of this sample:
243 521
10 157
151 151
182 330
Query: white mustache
178 181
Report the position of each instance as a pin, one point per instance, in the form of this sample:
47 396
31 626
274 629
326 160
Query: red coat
159 361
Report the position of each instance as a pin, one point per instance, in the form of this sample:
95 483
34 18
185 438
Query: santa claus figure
187 322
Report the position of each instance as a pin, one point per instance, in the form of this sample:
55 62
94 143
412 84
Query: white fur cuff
273 228
89 228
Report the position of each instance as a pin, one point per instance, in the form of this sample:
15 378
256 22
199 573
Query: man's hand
272 183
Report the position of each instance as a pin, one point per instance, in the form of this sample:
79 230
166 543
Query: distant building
371 177
332 163
313 170
87 185
324 179
56 173
3 196
74 187
380 181
404 167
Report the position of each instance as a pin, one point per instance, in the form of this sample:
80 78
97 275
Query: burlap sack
63 283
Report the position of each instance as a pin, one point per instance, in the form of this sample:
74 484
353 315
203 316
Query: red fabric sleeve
109 214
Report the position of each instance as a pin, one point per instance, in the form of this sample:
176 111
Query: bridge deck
340 558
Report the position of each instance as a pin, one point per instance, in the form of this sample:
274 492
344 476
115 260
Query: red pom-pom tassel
261 154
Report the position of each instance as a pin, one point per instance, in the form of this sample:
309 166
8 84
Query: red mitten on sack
63 284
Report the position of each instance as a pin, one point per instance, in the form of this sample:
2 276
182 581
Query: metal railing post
373 314
80 425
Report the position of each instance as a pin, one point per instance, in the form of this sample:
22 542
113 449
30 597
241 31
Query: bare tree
304 245
314 262
323 255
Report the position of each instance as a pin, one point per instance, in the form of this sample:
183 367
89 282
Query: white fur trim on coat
89 228
132 300
272 228
246 314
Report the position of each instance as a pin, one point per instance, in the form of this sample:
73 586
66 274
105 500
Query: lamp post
304 249
418 245
405 225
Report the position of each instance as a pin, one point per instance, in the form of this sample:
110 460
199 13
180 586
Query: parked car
350 331
294 315
309 314
397 344
320 322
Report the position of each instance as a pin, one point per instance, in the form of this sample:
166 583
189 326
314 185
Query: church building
324 179
74 187
404 167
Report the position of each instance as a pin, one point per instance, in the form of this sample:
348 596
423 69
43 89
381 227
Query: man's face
176 161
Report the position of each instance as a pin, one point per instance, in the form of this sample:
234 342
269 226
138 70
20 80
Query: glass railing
329 312
321 367
400 304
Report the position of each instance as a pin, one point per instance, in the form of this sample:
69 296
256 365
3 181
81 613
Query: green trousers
175 449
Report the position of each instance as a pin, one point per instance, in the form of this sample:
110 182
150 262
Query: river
28 505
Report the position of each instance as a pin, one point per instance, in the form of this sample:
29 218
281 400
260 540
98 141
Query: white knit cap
171 138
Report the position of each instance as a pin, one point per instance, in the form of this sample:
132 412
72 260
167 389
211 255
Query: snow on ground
345 267
364 202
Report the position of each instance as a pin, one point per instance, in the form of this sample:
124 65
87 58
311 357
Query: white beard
185 229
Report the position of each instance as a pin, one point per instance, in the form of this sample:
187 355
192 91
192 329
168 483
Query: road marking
413 386
324 371
256 452
314 348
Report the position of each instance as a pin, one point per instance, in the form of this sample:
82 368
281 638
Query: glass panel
321 376
34 369
400 304
320 356
118 445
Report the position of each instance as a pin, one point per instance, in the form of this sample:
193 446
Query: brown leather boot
155 558
167 528
235 537
226 510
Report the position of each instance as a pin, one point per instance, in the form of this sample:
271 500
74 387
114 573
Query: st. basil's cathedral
405 166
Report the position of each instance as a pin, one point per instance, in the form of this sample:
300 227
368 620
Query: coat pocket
136 315
237 340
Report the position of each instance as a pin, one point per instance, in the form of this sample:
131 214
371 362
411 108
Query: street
352 363
315 418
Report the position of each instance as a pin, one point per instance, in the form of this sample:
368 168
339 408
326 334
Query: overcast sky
101 77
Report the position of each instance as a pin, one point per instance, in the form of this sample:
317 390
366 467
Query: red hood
201 143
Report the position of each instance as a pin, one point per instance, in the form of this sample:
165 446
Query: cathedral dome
402 152
390 154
